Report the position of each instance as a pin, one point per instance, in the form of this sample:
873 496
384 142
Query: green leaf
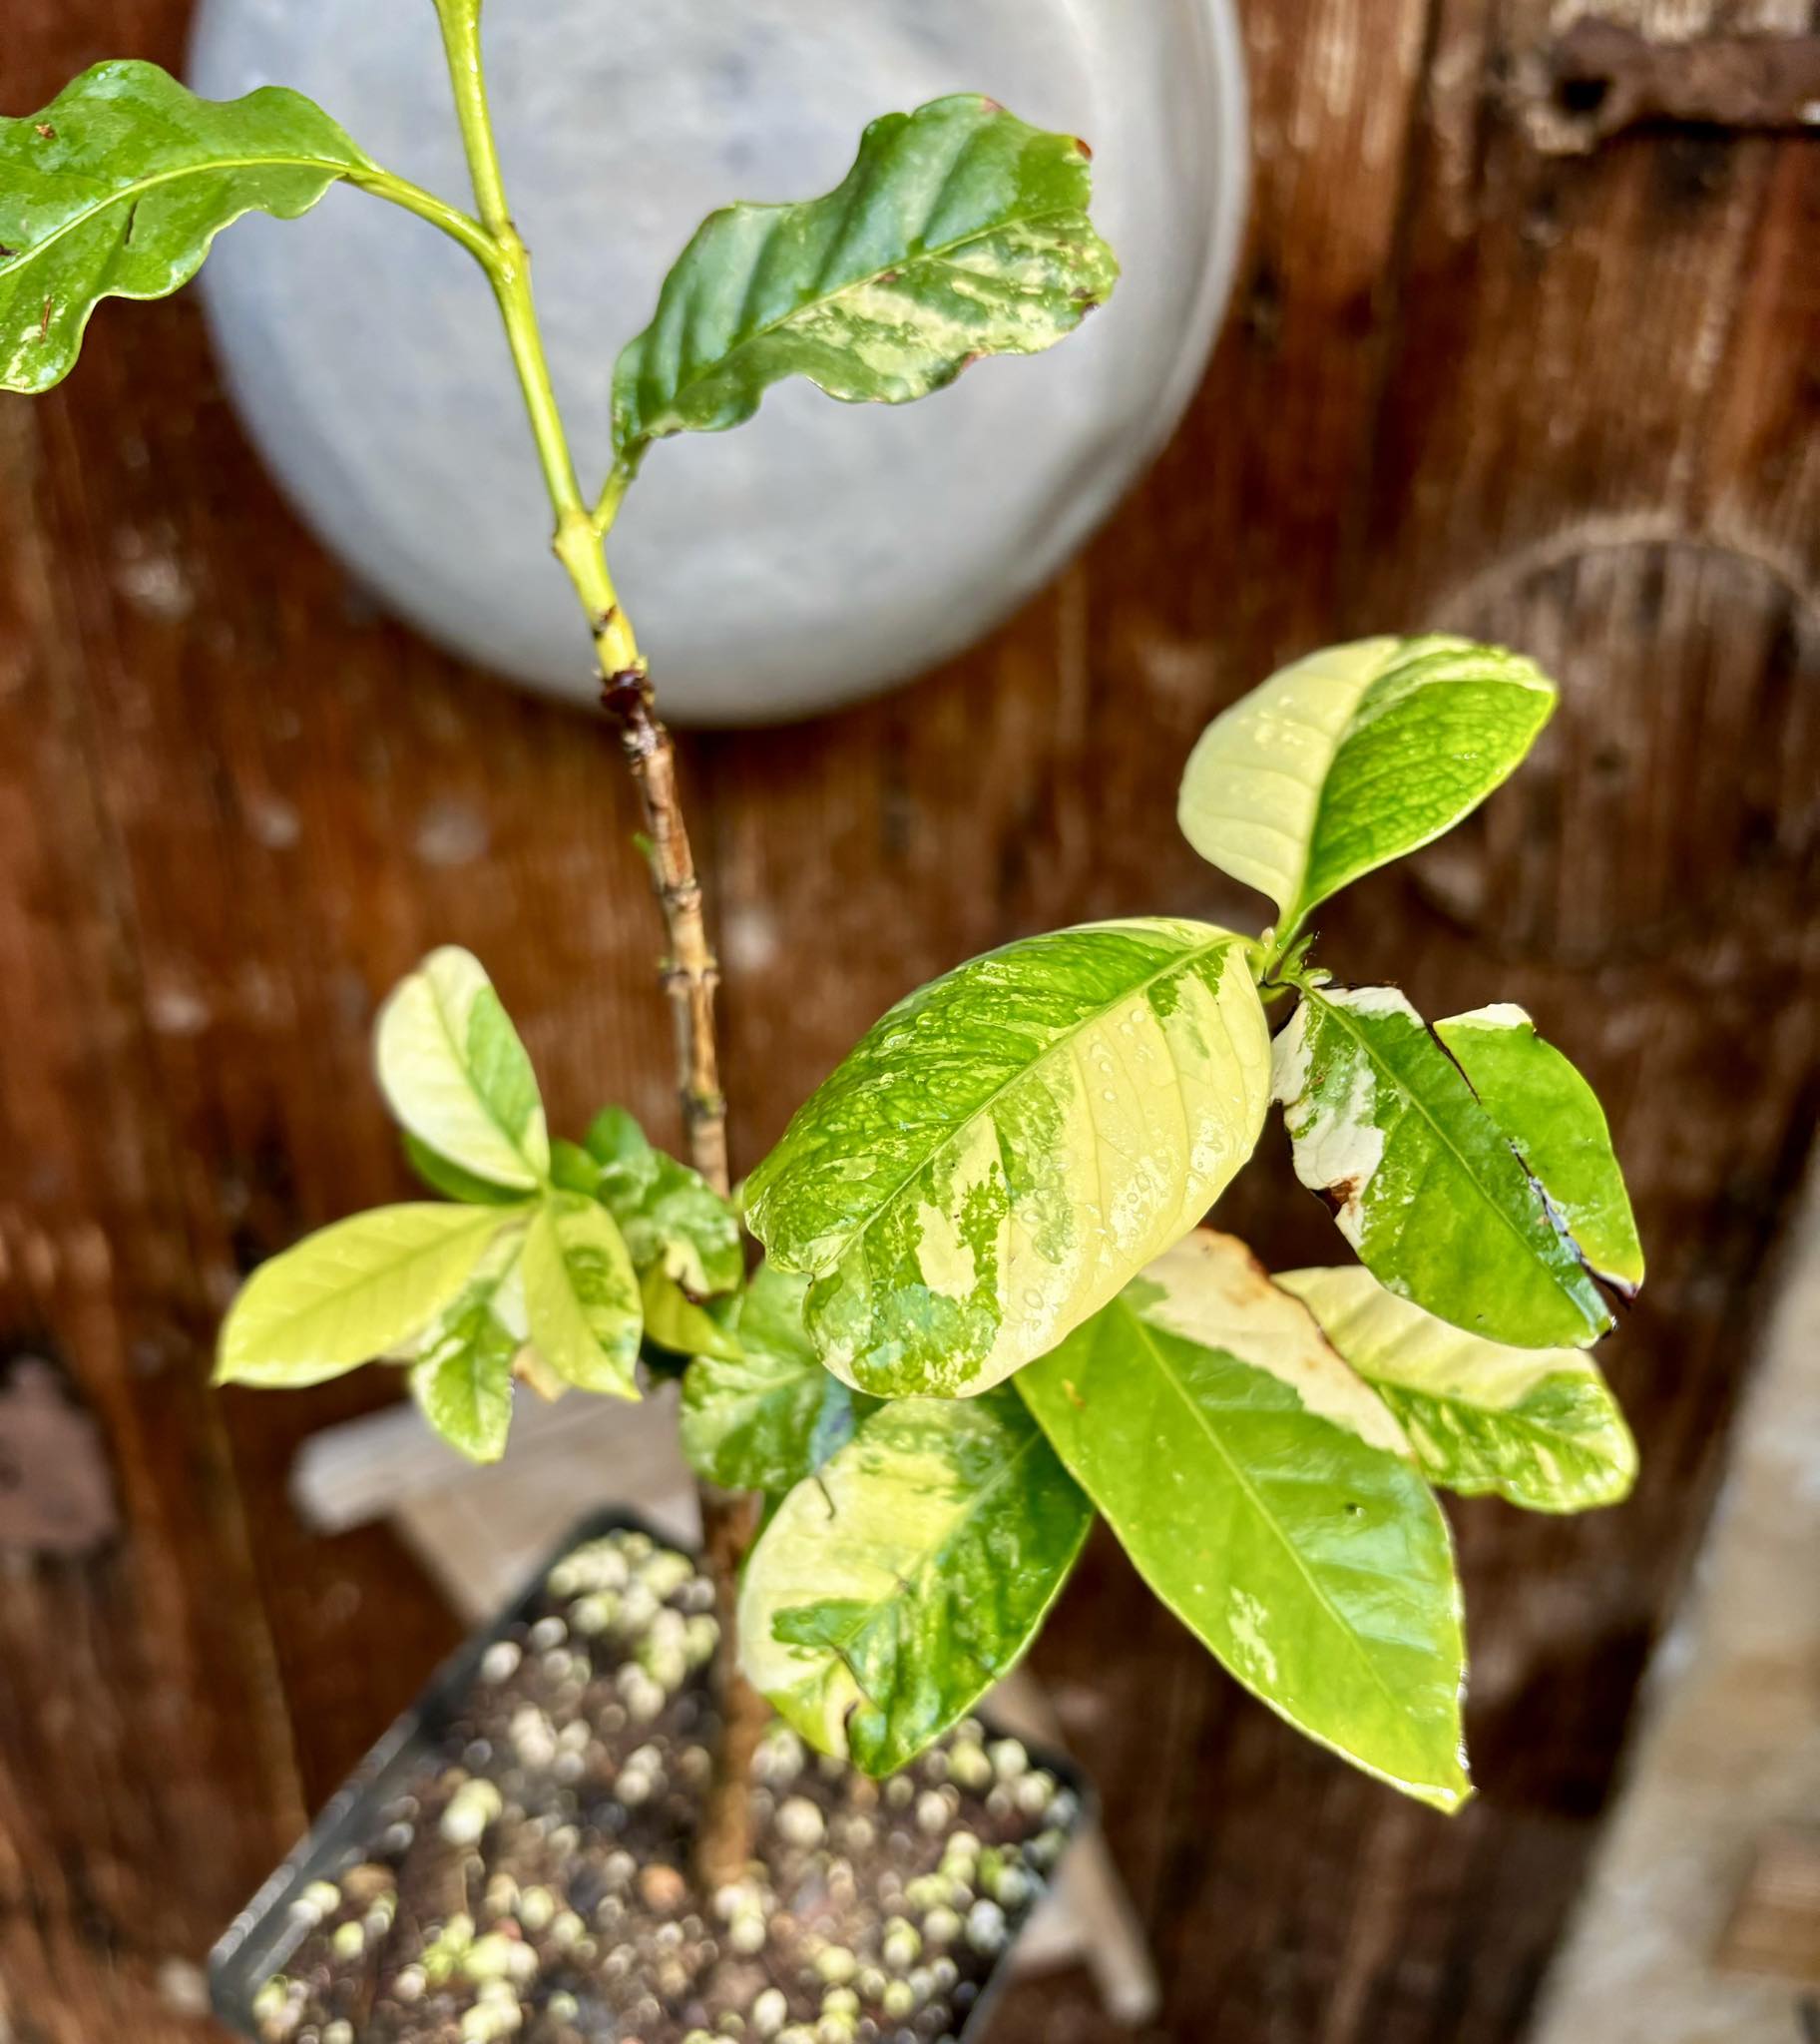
1354 756
669 1215
452 1181
959 232
773 1414
116 188
1538 1426
581 1295
456 1075
1009 1145
893 1589
683 1325
1554 1118
1272 1503
350 1293
1422 1181
461 1376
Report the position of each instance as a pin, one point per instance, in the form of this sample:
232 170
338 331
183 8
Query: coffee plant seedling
987 1312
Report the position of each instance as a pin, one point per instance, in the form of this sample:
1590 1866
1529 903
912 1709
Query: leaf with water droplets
1009 1145
892 1589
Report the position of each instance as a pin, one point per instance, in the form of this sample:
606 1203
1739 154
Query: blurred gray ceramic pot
822 551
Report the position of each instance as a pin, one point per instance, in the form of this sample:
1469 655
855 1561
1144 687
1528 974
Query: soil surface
534 1880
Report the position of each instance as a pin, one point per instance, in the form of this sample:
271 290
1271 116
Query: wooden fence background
1527 340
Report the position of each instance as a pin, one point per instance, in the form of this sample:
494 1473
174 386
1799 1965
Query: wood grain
1565 398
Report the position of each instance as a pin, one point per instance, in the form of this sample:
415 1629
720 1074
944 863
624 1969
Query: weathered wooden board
1473 376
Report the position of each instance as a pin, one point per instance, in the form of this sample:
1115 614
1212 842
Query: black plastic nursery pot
512 1860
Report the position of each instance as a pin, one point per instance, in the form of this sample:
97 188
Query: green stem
577 536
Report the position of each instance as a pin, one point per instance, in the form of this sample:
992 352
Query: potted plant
986 1312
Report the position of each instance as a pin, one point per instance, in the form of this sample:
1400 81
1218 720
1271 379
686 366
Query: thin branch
689 971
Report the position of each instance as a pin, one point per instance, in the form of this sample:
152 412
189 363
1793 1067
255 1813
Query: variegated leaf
1422 1181
1272 1503
456 1075
893 1589
1009 1145
1352 757
1554 1118
959 232
1538 1426
461 1370
352 1292
687 1326
773 1414
581 1295
669 1215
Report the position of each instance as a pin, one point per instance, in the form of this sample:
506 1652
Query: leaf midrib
1254 1499
1414 1102
334 167
335 1302
464 1064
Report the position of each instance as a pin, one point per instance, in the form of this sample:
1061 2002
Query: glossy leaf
452 1181
462 1374
669 1215
119 185
456 1075
1554 1118
959 232
683 1325
772 1414
1354 757
1272 1503
1009 1145
581 1295
1422 1181
892 1590
351 1292
1538 1426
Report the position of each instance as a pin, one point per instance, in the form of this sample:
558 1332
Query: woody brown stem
728 1519
689 972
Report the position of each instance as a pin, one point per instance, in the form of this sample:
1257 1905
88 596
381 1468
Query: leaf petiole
458 225
613 493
